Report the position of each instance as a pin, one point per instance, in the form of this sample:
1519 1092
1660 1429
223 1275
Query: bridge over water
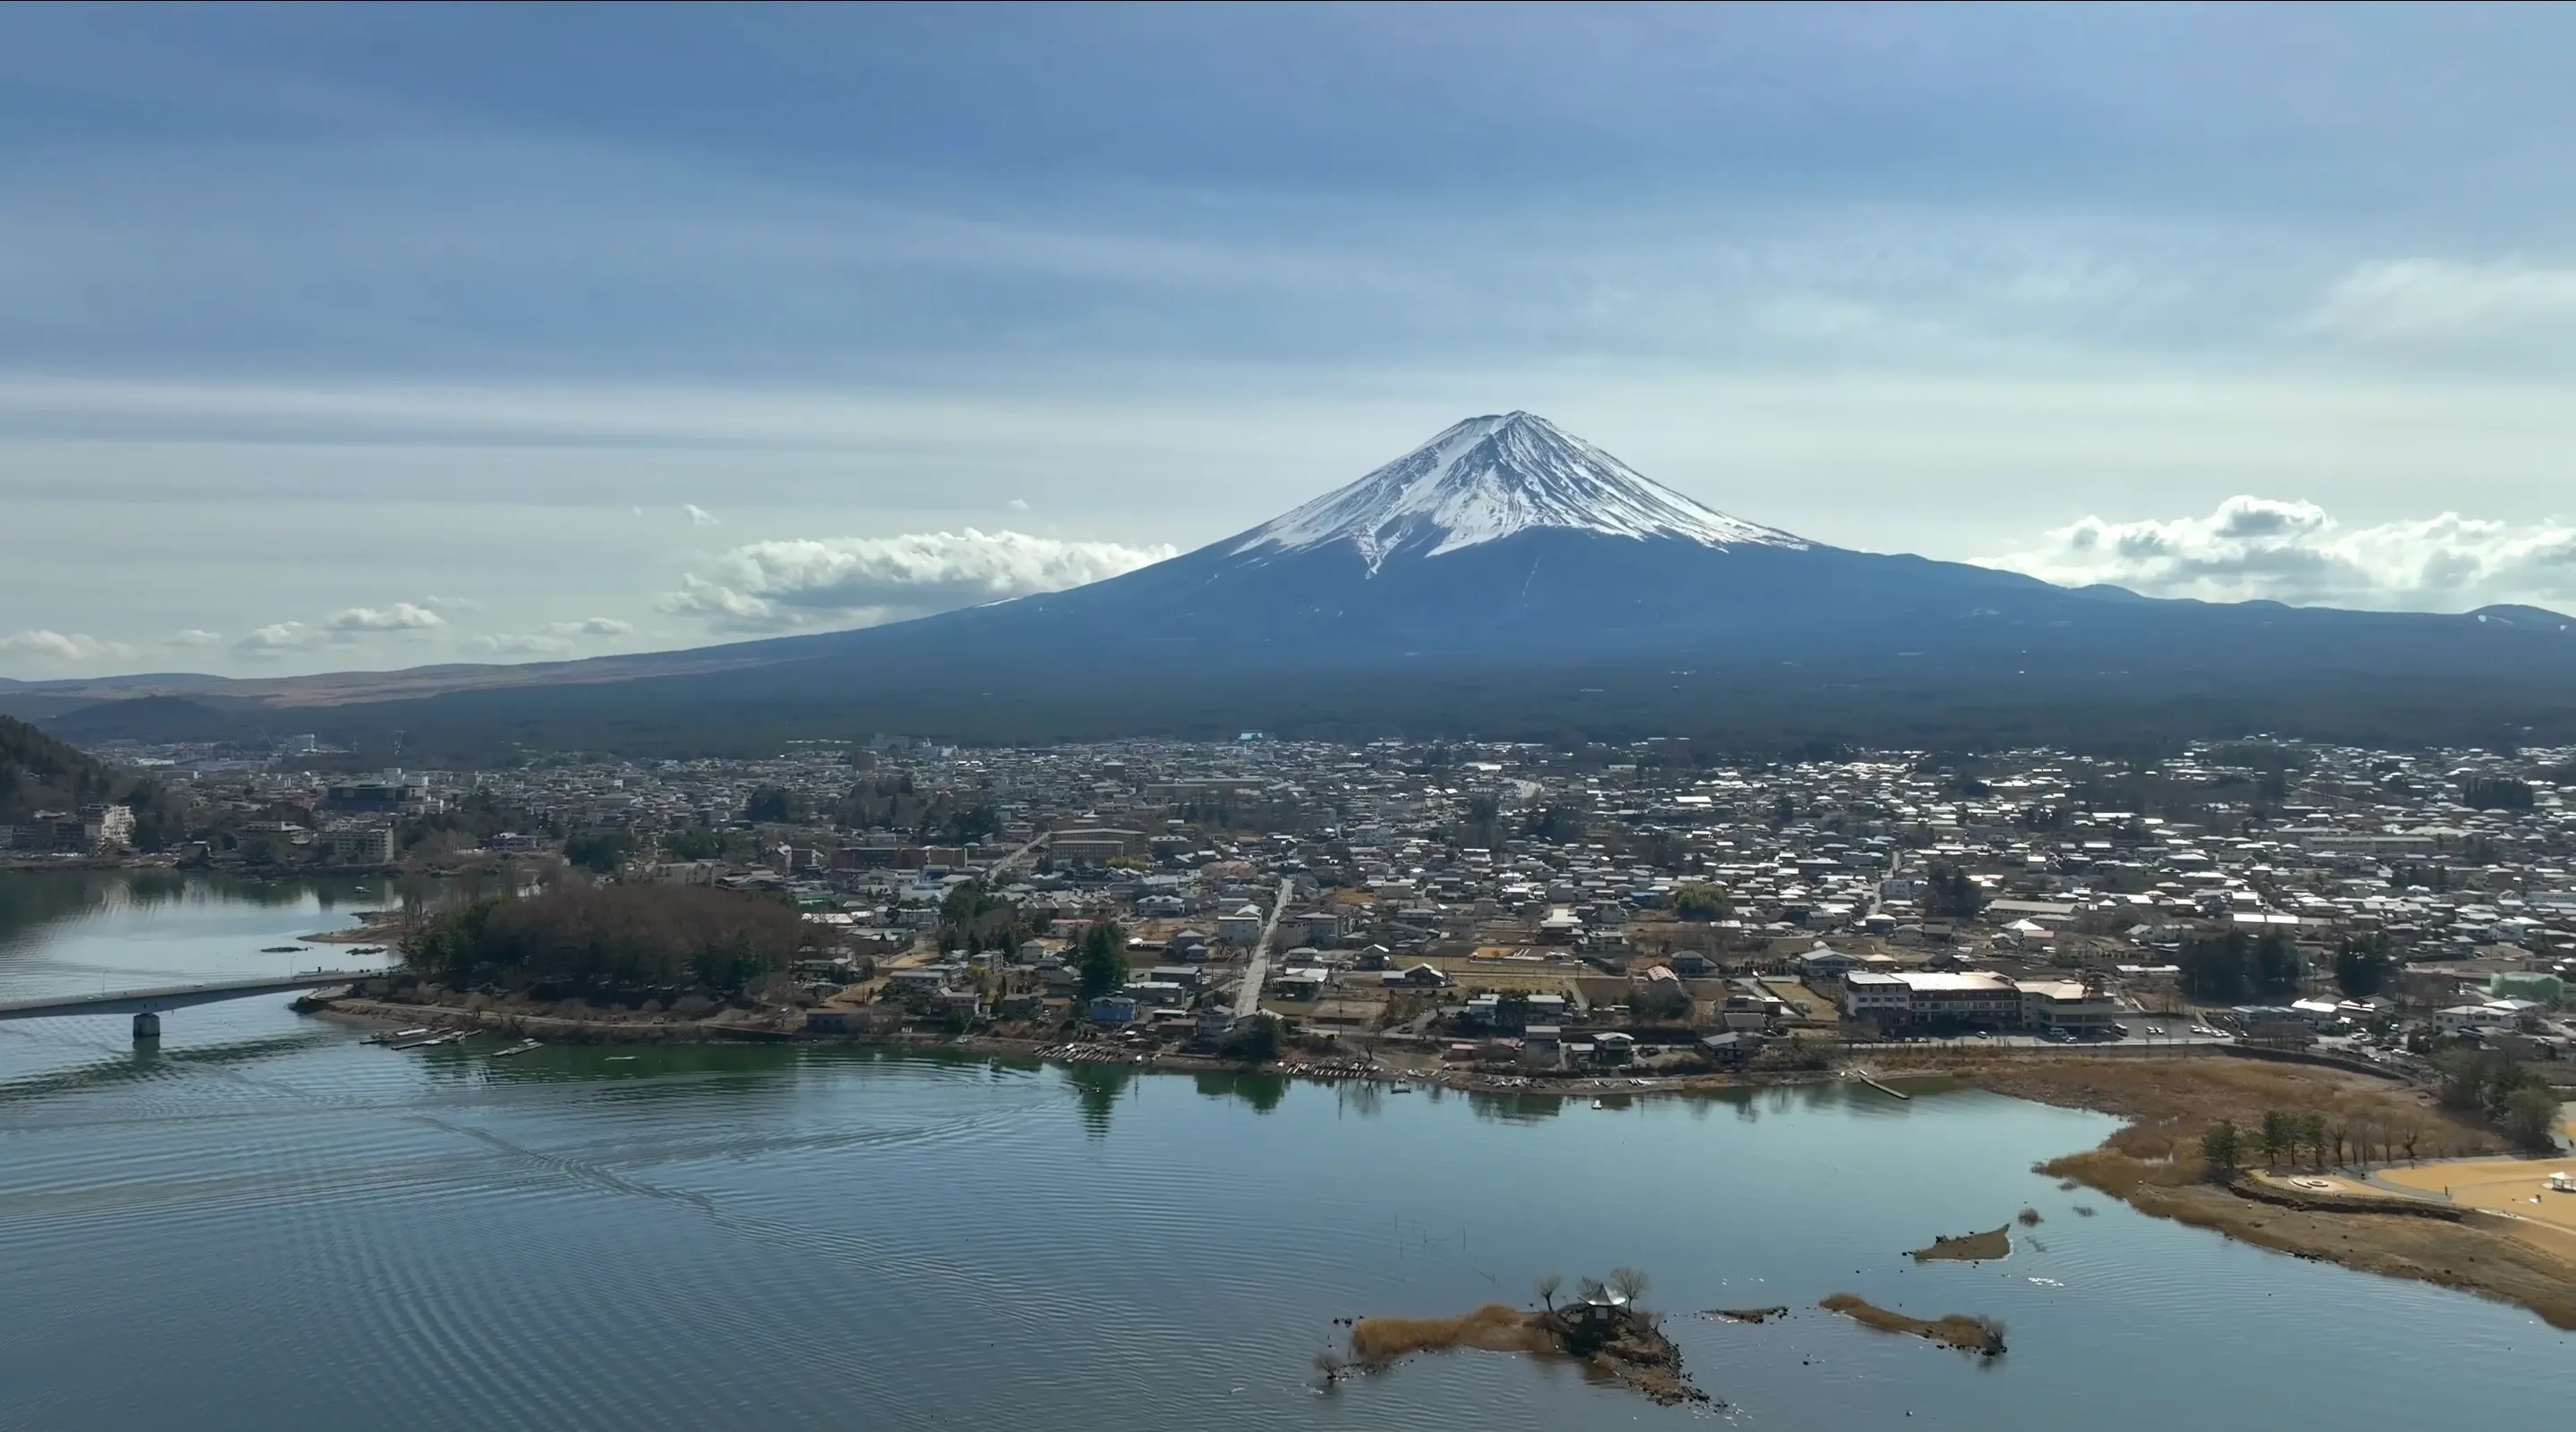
148 1005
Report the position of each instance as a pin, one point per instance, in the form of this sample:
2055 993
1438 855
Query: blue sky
383 335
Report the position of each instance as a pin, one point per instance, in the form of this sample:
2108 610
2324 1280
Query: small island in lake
1601 1326
1968 1247
1965 1331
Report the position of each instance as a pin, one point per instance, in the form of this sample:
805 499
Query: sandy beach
2516 1188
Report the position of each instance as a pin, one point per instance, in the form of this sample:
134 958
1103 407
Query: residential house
1243 927
1112 1009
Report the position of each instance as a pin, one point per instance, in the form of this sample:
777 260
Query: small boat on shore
390 1036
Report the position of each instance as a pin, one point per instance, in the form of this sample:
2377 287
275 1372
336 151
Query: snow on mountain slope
1488 478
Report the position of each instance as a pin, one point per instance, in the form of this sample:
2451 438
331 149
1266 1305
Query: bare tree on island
1546 1288
1627 1285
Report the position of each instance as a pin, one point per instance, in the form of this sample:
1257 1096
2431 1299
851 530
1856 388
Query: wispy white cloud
518 644
278 639
699 516
2295 552
401 616
341 628
192 637
64 646
557 639
723 607
2437 301
861 580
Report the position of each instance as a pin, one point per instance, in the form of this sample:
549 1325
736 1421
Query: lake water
265 1223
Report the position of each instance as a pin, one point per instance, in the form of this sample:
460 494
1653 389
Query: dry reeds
1965 1331
1491 1328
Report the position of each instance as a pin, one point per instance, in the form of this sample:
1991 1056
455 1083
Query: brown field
1602 989
1821 1008
2169 1102
1507 979
1487 970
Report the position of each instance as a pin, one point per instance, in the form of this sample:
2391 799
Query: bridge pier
147 1028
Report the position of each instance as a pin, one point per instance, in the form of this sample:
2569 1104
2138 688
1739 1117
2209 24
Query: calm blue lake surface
266 1223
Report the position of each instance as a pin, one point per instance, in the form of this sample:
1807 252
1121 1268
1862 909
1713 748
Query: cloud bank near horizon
863 581
2295 552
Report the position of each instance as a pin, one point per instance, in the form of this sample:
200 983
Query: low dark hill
1547 635
1986 683
34 704
38 772
159 718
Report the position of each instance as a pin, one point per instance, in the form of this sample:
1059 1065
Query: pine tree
1103 961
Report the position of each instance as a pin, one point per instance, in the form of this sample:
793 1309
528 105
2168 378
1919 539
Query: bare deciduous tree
1626 1284
1547 1286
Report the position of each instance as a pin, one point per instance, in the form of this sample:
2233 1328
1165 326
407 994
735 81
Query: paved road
1247 1000
1004 864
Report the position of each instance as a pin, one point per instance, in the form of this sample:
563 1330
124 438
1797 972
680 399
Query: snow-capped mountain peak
1488 478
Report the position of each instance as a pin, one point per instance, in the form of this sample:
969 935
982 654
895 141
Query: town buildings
1477 892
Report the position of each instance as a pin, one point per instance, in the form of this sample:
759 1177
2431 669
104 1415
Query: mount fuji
1507 579
1505 533
1491 478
